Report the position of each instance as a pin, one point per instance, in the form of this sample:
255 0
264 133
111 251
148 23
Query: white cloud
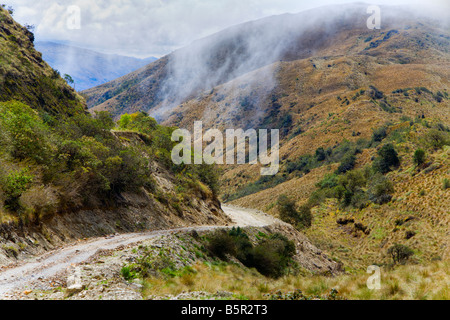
152 27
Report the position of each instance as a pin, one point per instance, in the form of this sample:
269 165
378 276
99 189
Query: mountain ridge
233 52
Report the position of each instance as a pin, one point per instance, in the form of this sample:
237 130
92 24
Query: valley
94 205
17 281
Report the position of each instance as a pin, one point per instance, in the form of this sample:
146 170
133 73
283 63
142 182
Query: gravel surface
50 270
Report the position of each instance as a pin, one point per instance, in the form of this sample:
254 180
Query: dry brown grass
408 282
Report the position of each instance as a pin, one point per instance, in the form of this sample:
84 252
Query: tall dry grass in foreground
408 282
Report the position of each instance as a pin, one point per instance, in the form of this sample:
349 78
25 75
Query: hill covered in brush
67 174
347 100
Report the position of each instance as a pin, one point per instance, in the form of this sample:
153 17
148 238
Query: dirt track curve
56 261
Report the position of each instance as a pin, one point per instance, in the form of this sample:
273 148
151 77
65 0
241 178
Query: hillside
68 175
87 67
331 86
224 56
193 71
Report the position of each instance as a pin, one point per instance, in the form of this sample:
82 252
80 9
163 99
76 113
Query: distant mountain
330 85
88 68
192 71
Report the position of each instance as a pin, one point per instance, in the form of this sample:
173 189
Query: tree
419 157
289 213
69 79
400 253
348 163
387 159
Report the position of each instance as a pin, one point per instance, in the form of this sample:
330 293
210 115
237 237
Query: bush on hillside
386 160
380 189
222 244
347 164
271 256
14 184
437 139
379 134
301 218
400 253
419 157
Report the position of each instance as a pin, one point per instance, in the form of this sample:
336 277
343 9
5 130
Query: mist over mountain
362 179
238 50
88 68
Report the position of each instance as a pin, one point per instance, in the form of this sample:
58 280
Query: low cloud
151 27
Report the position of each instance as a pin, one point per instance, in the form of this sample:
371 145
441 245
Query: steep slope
66 175
24 76
226 55
194 70
88 68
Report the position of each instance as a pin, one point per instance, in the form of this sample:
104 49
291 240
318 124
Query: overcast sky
145 28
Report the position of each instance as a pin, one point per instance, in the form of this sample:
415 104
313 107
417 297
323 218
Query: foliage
379 134
374 93
76 155
289 213
419 157
380 189
139 121
347 164
24 133
437 139
15 183
387 159
400 253
271 256
222 244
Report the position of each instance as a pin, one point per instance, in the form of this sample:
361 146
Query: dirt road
54 262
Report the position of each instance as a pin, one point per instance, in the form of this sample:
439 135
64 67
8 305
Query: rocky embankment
91 269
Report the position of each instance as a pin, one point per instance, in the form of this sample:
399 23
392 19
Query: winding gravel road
54 262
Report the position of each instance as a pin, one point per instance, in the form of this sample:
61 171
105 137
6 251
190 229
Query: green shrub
139 121
305 217
386 160
359 199
287 209
15 183
221 244
379 134
347 164
374 93
301 218
209 175
419 157
267 258
437 139
272 256
400 253
321 154
24 132
128 273
380 189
